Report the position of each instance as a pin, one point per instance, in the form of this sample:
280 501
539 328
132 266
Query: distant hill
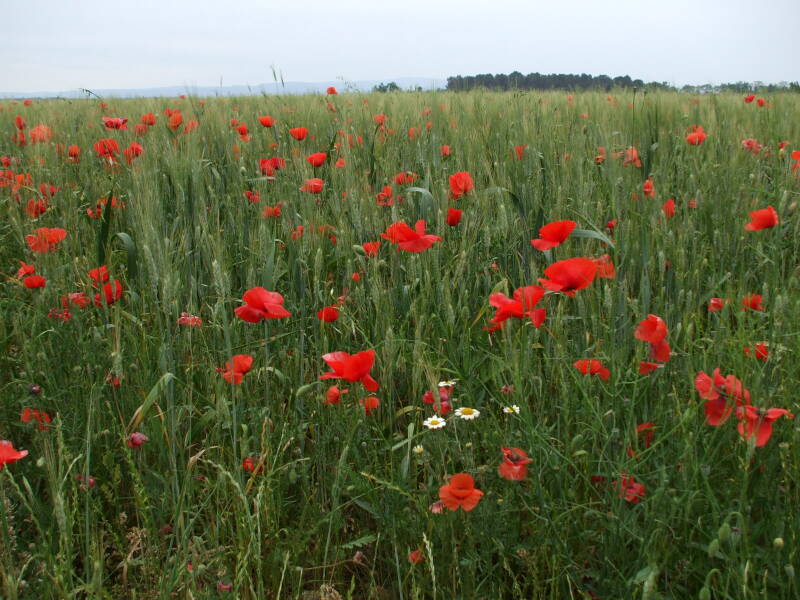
289 87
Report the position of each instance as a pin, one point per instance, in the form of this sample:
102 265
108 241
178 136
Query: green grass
335 482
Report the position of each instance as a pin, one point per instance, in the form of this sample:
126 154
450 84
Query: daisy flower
447 383
434 422
468 414
511 410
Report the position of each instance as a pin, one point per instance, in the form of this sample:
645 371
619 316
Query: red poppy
601 156
251 465
380 119
761 352
752 302
333 395
460 492
370 404
522 306
716 390
758 422
605 267
19 122
236 368
8 454
761 102
371 248
340 163
331 91
99 275
317 159
41 134
752 146
34 281
519 151
592 367
312 186
115 123
298 133
74 153
515 464
749 98
668 208
175 120
445 150
271 212
136 439
45 239
133 151
112 292
454 216
569 275
630 489
631 157
107 148
189 320
266 121
415 557
39 416
762 219
697 136
328 314
653 329
148 119
460 183
553 234
645 367
261 304
410 240
78 299
355 367
716 304
25 269
405 178
36 207
253 197
660 351
649 189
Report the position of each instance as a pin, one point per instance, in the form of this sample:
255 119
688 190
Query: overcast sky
68 44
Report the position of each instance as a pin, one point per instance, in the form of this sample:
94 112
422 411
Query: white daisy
511 410
434 422
447 383
468 414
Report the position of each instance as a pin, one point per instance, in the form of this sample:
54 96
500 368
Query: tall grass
342 498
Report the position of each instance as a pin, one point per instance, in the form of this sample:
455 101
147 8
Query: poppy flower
716 304
569 276
668 208
107 148
553 234
298 133
136 439
112 292
716 390
460 183
312 186
697 136
405 178
522 306
251 465
99 275
645 367
189 320
36 207
328 314
460 492
25 269
752 302
592 367
331 91
34 281
74 153
40 134
370 404
749 98
266 121
649 189
660 351
416 556
19 122
175 120
45 239
253 197
115 123
148 119
515 464
631 158
761 352
78 299
600 158
758 422
261 304
380 119
133 151
605 267
39 416
371 248
761 102
410 240
340 163
762 219
519 151
653 329
629 489
236 368
355 367
454 216
8 454
333 395
317 159
752 146
444 150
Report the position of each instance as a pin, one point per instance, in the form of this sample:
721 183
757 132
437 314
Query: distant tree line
562 81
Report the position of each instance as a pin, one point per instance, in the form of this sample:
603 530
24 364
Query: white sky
67 44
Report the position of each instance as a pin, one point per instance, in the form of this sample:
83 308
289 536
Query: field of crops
409 345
